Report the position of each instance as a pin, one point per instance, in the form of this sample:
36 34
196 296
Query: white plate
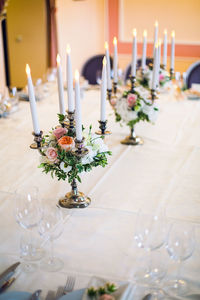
15 296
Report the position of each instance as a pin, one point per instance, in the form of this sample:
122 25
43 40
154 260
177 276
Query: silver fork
69 286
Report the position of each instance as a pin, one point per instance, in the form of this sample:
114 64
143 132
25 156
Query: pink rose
113 101
66 143
51 154
161 77
131 99
59 132
106 297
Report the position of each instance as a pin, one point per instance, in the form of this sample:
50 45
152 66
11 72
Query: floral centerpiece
59 158
144 78
133 107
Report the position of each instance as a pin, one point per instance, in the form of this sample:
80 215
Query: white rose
65 169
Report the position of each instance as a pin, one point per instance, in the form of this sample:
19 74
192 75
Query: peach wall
82 25
181 15
2 73
186 53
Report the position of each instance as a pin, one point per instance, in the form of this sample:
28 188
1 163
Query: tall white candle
103 92
144 51
155 34
69 81
33 107
134 53
109 84
158 60
155 68
78 118
172 49
165 49
60 86
115 60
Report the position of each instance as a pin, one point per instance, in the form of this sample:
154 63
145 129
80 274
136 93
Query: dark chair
149 61
193 74
93 67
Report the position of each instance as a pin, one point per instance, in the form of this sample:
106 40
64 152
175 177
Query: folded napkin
125 291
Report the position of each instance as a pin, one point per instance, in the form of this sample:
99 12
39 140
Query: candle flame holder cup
76 199
132 139
171 74
71 124
38 140
133 81
115 88
109 94
153 94
102 127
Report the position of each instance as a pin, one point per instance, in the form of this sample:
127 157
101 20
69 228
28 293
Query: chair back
92 69
149 61
193 74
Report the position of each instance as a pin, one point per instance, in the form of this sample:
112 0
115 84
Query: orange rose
66 143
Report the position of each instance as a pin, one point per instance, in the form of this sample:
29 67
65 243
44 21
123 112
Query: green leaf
61 117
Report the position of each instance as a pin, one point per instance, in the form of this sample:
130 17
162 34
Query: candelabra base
99 132
129 140
132 139
80 200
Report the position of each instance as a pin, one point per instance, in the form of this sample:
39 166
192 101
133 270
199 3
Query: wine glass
50 228
180 246
28 212
150 235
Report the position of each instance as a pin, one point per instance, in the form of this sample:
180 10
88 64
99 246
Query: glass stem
52 251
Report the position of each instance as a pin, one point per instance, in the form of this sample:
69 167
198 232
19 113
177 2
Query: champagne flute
50 228
180 246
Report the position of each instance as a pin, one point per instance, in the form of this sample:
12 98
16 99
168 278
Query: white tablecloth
98 240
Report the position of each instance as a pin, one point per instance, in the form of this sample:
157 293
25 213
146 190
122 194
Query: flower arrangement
131 107
103 292
145 78
58 158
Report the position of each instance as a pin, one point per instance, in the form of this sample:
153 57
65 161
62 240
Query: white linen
98 240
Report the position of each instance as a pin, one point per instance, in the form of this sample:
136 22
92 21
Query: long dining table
98 240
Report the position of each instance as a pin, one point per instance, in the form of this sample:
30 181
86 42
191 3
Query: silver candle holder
102 128
75 198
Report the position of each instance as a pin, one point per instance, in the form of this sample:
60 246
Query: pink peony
106 297
59 132
131 99
51 154
161 77
66 143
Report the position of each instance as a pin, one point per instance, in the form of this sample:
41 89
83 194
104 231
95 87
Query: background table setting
161 176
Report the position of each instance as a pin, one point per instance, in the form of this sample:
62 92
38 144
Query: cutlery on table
7 274
35 295
7 284
69 286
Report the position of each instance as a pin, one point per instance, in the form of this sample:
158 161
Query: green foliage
108 288
61 118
